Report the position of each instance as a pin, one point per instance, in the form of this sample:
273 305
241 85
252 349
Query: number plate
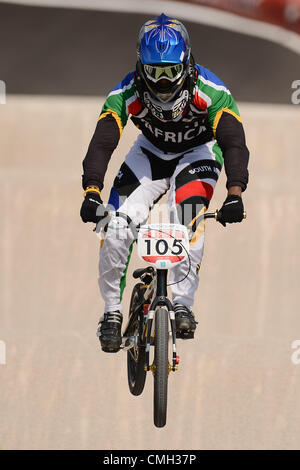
163 245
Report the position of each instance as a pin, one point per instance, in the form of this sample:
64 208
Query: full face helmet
164 53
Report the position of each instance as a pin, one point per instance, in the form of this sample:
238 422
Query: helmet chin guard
171 111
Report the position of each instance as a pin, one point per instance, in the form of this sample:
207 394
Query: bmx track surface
236 387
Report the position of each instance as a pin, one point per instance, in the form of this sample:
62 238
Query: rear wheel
136 355
161 367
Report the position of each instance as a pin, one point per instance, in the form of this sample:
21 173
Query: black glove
92 209
232 210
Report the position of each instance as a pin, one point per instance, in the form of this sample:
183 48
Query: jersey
212 114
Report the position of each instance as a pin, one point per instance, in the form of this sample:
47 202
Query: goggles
170 72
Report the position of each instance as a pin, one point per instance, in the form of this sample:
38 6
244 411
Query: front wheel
136 356
161 367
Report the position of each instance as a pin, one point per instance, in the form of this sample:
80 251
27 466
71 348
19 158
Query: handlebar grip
215 215
210 215
217 212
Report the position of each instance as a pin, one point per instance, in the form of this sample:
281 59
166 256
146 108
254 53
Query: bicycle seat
139 272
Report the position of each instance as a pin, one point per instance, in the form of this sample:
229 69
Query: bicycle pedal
185 334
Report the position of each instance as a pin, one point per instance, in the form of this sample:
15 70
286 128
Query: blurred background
236 387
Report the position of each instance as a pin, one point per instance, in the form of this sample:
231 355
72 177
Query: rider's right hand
92 207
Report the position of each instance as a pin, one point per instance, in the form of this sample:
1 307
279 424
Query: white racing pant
143 178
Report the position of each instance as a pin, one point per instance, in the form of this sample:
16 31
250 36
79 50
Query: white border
190 12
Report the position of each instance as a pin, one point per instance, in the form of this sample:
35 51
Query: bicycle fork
161 300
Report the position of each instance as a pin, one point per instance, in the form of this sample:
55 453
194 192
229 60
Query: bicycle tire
136 356
161 367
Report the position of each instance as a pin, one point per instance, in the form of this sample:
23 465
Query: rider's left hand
232 210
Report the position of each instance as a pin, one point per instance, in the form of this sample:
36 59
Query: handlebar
108 214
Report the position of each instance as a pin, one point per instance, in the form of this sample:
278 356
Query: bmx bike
151 322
